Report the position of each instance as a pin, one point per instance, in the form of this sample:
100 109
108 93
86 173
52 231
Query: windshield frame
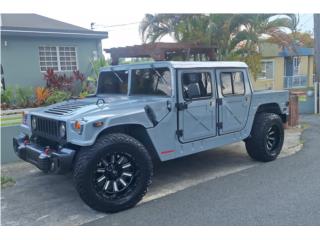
133 67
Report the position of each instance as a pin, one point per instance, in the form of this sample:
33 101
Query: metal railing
296 81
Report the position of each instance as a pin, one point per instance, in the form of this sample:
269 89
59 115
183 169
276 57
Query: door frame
247 93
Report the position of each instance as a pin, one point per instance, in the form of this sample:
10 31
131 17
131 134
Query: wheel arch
136 131
272 108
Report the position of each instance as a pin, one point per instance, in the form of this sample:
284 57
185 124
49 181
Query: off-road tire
256 144
87 159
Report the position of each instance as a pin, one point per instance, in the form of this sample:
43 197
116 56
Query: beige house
285 69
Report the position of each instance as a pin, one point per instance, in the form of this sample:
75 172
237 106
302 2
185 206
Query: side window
238 83
232 83
226 83
196 85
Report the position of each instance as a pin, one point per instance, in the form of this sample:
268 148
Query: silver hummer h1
146 112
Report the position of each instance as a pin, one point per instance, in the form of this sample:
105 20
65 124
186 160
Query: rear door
235 97
197 106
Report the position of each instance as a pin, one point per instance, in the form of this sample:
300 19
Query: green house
30 44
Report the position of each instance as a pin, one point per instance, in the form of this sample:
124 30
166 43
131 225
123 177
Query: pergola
163 51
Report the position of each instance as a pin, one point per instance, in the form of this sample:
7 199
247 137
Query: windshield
114 82
151 81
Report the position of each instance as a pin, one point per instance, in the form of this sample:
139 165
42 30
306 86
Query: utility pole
317 60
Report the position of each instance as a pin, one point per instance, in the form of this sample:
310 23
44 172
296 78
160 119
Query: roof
179 64
298 51
274 50
29 24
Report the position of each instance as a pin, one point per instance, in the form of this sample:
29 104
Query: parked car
143 113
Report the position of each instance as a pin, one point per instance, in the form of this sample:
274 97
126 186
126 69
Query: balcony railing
296 81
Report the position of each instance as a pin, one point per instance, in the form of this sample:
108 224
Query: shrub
24 96
7 96
57 96
41 95
63 82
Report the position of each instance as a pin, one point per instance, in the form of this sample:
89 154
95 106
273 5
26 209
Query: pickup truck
144 113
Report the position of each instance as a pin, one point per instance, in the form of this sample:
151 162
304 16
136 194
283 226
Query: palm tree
236 36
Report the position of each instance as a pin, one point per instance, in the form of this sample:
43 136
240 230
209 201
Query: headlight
33 123
62 130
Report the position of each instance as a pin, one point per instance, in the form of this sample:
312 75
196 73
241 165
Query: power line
94 25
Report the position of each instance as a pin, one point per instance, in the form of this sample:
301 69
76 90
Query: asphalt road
283 192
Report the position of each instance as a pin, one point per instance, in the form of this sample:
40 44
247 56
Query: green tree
236 36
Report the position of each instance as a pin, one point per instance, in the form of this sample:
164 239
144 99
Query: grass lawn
11 121
7 181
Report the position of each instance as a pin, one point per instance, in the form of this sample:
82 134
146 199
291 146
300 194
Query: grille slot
47 128
66 108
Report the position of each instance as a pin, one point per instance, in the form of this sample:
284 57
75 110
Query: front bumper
57 161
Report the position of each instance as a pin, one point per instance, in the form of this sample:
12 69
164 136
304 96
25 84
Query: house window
266 71
58 58
296 65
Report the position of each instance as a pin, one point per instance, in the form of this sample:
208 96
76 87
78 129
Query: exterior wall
304 62
277 82
279 73
20 58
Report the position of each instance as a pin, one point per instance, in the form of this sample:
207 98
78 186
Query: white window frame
58 57
273 70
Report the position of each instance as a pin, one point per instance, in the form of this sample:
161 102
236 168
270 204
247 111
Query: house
30 44
284 68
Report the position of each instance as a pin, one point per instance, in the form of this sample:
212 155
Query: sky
105 14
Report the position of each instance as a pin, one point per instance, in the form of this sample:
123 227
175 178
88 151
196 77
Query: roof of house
274 50
29 24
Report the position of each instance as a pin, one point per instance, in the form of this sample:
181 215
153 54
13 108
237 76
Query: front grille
47 128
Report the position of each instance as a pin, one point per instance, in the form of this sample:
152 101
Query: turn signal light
77 125
98 124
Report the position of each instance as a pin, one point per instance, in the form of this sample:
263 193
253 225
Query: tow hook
26 140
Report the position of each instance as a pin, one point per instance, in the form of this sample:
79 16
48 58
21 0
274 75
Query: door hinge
219 125
181 106
219 101
179 133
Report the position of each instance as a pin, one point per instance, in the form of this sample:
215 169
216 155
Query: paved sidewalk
39 199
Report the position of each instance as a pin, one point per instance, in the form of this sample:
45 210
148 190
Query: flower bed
59 87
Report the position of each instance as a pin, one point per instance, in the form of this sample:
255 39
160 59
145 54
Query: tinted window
113 82
196 85
232 83
151 81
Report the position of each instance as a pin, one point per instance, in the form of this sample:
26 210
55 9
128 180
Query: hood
96 105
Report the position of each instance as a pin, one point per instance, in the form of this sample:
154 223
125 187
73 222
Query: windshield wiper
116 74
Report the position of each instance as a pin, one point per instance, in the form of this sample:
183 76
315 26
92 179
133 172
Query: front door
197 105
235 95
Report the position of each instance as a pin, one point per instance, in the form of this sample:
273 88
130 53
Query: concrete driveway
39 199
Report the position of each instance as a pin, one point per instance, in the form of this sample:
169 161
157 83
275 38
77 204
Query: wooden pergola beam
161 51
